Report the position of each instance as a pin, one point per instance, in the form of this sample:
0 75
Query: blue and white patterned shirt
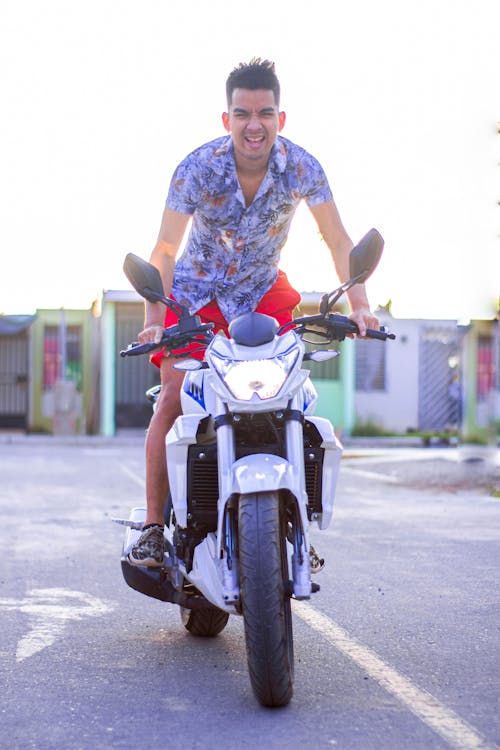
233 250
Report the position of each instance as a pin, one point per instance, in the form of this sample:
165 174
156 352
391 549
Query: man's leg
149 549
167 410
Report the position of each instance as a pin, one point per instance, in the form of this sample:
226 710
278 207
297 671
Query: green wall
336 397
86 374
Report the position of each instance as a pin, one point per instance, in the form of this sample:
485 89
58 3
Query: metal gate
134 375
439 386
14 381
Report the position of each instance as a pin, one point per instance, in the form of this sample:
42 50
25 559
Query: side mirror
365 256
144 277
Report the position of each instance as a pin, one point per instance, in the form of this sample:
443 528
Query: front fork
301 566
228 552
229 560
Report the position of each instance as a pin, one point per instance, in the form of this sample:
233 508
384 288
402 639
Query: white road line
137 479
49 610
441 719
370 475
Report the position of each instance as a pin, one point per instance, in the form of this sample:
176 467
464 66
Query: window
54 338
370 365
485 367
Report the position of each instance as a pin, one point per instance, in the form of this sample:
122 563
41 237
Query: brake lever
174 337
134 349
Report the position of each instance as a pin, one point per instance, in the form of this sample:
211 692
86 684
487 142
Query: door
14 381
439 387
134 375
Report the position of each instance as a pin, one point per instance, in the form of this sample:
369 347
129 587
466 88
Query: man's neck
250 180
247 169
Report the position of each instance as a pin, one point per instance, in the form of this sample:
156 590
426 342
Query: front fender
262 472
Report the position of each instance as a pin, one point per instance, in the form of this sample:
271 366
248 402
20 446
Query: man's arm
340 245
172 230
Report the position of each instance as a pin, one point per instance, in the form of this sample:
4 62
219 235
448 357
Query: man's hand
151 334
364 319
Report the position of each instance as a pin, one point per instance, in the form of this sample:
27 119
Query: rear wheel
204 622
265 603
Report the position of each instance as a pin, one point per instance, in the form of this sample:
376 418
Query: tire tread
267 633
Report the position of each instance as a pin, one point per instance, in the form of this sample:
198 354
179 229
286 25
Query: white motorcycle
249 469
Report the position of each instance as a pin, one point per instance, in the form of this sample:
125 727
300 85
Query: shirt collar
279 155
222 160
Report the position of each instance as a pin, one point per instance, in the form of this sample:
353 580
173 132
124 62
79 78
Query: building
436 377
125 380
407 385
49 376
61 371
64 383
14 371
480 373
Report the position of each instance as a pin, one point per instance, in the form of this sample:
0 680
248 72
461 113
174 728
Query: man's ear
281 121
225 122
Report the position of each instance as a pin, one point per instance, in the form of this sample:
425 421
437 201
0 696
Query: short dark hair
257 74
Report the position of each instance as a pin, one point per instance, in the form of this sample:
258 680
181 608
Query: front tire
266 605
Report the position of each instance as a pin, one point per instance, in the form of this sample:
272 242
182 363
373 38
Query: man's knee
168 406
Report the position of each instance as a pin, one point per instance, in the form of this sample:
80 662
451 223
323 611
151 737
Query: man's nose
254 121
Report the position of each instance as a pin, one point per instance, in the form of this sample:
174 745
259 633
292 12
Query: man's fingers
364 320
151 334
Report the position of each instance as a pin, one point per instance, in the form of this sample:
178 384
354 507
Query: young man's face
253 121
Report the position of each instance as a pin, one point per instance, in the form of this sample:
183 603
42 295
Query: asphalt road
400 649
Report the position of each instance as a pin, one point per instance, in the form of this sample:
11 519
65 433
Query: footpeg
317 562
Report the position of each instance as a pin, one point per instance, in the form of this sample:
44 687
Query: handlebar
134 349
187 331
341 323
332 327
336 327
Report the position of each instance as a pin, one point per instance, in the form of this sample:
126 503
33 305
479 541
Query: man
241 192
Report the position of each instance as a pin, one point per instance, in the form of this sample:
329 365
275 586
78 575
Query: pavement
405 460
448 469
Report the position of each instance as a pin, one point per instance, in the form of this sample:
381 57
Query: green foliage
477 436
368 428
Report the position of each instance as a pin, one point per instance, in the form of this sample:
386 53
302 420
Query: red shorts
279 302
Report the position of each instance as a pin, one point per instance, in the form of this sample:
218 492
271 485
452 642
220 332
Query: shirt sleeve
315 187
183 193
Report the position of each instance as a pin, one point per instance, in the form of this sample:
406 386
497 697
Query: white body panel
331 465
207 573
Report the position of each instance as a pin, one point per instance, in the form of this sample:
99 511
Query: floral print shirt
233 250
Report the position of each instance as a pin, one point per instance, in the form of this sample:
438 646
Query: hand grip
382 334
134 349
343 323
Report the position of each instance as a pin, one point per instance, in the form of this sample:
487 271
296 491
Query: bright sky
398 99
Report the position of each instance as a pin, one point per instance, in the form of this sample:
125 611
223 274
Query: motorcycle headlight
263 377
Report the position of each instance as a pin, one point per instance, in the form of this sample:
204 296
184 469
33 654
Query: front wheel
266 605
